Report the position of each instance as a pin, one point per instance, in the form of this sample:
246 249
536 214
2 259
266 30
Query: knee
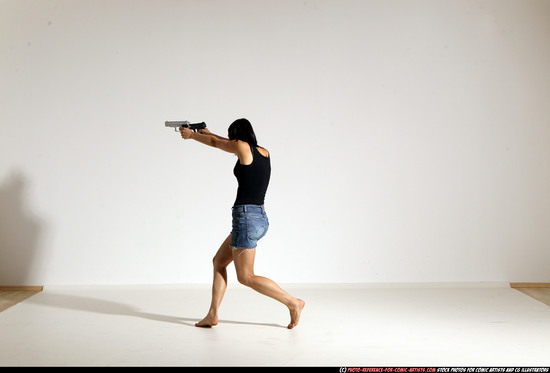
245 279
216 262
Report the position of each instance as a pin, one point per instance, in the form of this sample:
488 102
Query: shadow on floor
87 304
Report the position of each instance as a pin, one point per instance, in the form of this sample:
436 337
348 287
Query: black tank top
253 179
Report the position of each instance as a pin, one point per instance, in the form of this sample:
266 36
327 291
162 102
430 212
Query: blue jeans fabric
249 223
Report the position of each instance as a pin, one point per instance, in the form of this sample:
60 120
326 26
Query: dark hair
241 129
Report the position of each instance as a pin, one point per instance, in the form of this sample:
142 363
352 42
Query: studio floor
342 325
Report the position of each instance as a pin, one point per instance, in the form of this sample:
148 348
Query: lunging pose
250 223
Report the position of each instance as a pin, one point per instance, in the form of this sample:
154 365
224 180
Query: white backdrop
409 139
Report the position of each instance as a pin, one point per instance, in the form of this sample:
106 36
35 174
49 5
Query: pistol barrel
183 123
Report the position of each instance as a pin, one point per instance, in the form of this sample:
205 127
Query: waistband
248 208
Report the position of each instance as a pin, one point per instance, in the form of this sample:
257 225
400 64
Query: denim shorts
250 223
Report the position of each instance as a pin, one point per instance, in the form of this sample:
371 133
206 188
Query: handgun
183 123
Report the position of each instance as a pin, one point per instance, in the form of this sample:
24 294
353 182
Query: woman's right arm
235 147
205 131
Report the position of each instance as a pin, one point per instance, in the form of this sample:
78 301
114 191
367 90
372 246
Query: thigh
224 256
244 262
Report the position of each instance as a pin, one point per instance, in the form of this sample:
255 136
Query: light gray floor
342 325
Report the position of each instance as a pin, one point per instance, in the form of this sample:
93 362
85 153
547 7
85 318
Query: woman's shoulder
245 146
263 151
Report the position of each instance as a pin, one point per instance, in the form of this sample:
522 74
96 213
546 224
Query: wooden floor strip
530 285
538 293
21 288
11 295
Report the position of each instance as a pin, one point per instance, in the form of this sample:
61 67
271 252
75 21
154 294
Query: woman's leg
244 265
223 258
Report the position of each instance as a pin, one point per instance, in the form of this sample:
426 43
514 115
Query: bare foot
295 313
207 322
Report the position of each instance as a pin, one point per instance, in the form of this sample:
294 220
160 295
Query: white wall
409 139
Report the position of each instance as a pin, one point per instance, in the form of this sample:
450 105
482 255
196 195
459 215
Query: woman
250 222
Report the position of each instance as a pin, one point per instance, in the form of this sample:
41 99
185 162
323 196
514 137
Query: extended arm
234 147
205 131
